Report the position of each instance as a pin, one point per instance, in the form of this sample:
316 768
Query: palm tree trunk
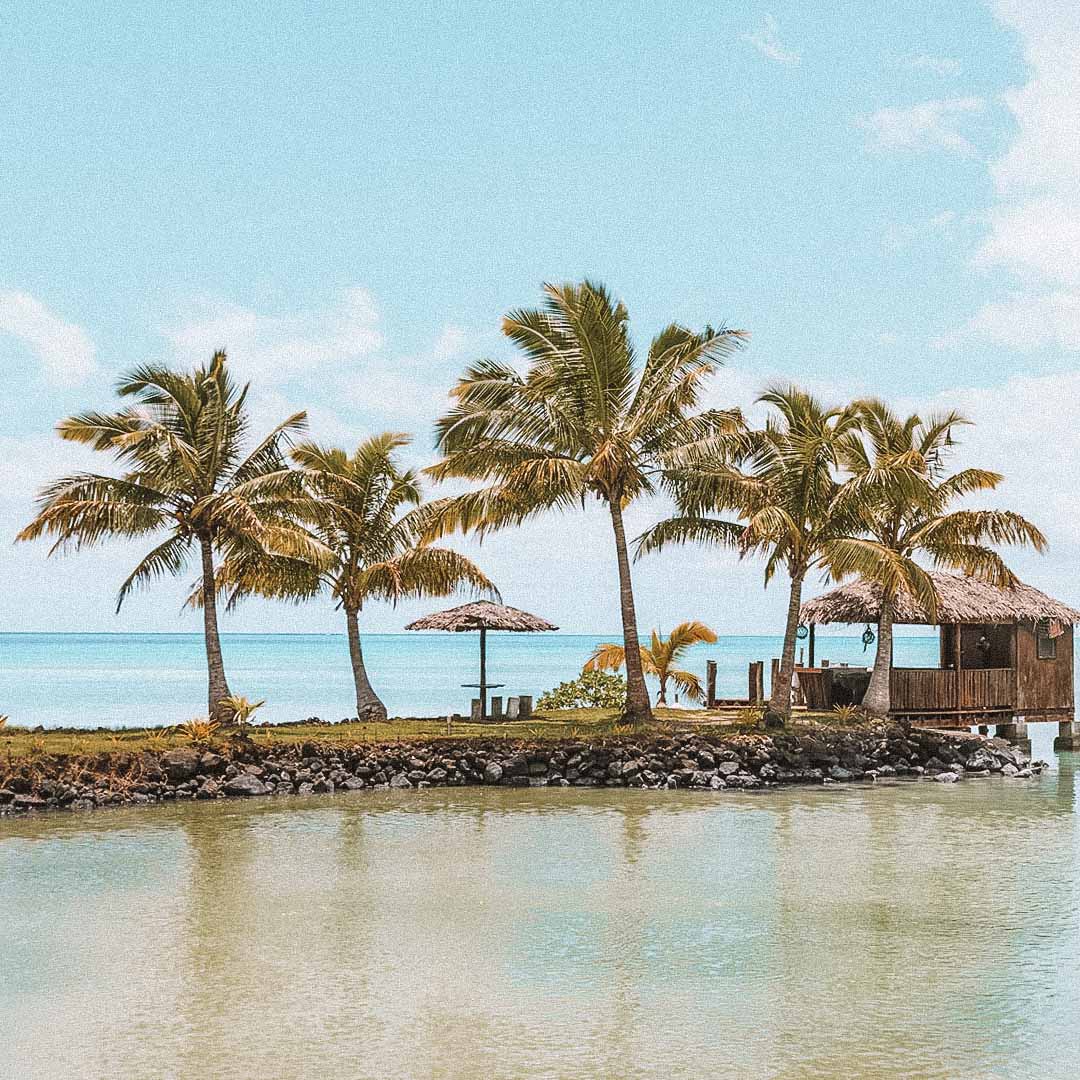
368 705
638 709
218 688
878 700
779 711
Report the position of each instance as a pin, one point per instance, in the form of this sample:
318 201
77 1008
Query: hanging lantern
867 638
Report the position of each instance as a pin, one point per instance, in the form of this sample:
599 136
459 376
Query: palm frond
690 530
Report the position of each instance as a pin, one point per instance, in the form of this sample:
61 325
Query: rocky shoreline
242 768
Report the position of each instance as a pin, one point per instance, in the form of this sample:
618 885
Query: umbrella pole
483 674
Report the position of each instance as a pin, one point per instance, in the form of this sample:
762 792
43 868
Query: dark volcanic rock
245 784
704 762
180 765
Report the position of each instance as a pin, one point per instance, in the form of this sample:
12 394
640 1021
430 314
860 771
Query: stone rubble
687 760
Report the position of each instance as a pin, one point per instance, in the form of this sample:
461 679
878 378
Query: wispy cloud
767 41
64 350
1034 230
927 126
901 235
935 65
276 348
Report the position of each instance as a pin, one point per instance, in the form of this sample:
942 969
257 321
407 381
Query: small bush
591 690
241 708
199 730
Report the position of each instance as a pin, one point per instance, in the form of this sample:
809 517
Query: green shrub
591 690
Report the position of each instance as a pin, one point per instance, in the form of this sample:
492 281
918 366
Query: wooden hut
1005 655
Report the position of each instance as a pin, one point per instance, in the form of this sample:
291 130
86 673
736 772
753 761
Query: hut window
1046 647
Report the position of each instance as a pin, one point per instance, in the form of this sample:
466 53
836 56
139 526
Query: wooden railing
929 690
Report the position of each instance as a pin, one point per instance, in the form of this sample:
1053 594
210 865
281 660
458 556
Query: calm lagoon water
911 931
133 680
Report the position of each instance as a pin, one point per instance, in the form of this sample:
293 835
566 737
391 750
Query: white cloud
278 348
767 42
1034 230
930 125
1024 320
1045 154
64 350
1023 431
410 391
331 359
936 65
28 462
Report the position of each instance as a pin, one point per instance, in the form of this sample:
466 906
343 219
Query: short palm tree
181 446
658 657
782 483
912 518
356 506
585 420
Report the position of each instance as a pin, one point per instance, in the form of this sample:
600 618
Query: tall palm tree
181 446
585 420
782 483
912 519
356 508
658 659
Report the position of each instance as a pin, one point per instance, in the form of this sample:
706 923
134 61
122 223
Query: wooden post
812 657
496 708
525 706
757 682
476 715
512 708
483 673
958 656
710 683
774 674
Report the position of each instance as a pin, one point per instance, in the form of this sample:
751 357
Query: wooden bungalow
1005 655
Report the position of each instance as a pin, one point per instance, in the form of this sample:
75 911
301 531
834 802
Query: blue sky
349 199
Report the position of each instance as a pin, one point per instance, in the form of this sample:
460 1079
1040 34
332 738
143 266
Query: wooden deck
923 692
930 690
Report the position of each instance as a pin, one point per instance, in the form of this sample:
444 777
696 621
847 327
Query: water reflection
918 931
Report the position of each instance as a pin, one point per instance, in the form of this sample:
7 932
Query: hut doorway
973 646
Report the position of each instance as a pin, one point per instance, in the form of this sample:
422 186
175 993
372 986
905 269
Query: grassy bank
586 724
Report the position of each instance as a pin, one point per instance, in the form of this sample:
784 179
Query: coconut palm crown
791 505
913 519
189 473
359 508
658 658
586 420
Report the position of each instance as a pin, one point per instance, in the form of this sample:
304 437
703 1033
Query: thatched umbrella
483 616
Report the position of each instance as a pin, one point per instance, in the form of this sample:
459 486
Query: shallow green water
911 931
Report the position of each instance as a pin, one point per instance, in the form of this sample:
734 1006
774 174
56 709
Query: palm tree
181 446
352 505
782 483
912 518
658 658
585 420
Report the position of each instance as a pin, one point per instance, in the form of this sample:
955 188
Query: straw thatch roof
960 600
482 615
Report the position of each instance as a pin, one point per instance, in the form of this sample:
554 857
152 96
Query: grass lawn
583 724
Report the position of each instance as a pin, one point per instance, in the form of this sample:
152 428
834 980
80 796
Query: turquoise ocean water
136 680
